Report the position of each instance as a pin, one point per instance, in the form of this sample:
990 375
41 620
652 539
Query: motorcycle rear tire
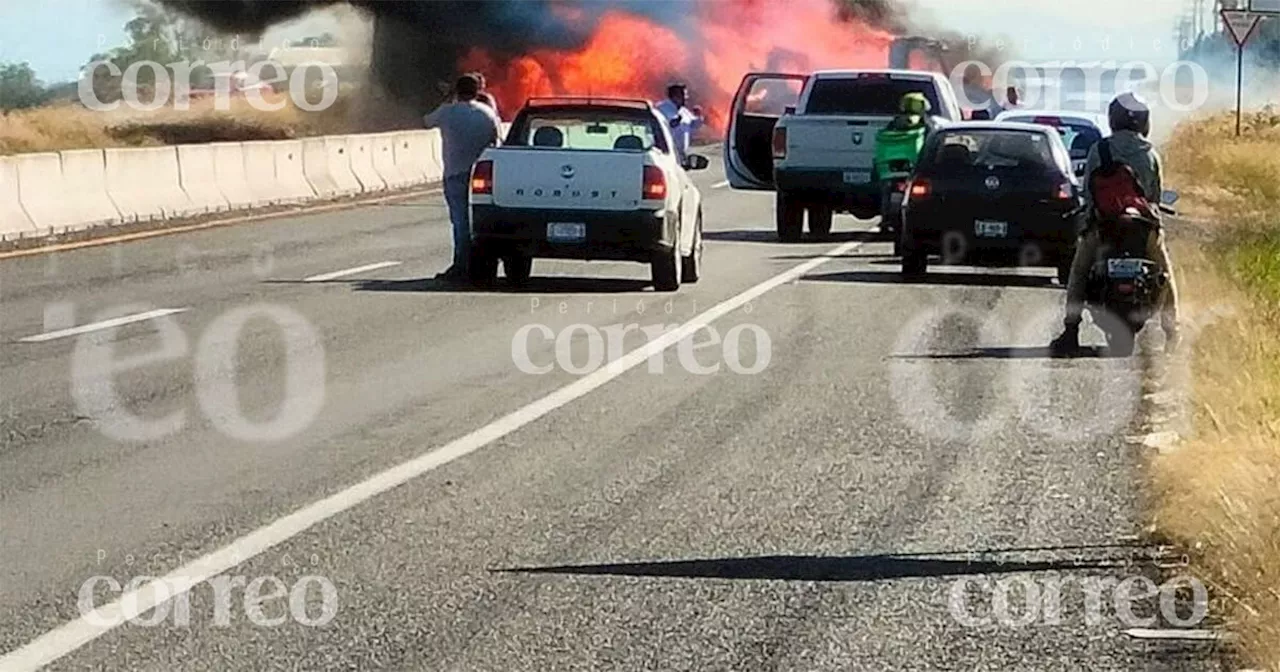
1121 340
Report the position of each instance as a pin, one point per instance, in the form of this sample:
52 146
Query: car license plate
1124 269
566 232
987 229
856 177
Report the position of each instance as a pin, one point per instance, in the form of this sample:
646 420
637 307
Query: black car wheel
518 268
820 217
691 266
865 211
666 269
790 216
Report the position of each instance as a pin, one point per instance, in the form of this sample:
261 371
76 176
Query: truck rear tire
518 268
790 216
666 270
691 266
820 220
482 267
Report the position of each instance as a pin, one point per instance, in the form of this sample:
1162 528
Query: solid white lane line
72 635
105 324
351 271
720 185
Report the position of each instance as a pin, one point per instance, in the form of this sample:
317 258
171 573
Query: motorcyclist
1130 120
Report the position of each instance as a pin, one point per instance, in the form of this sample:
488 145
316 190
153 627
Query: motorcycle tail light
1125 288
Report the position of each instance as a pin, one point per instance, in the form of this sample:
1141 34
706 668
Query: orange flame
634 56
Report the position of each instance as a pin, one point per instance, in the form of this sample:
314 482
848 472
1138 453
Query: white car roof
1095 119
900 74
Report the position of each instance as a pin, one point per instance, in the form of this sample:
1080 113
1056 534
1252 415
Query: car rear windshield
591 130
959 150
866 95
1078 136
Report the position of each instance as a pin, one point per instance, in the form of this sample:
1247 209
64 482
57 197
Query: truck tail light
655 184
482 178
779 143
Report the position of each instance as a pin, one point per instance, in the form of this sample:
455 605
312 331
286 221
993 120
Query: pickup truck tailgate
567 179
842 142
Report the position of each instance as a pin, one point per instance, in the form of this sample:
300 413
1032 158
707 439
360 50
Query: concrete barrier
291 179
435 162
199 177
84 171
144 183
44 195
228 163
315 168
384 161
260 170
410 159
360 151
13 219
335 147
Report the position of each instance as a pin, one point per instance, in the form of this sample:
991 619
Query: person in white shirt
467 127
682 120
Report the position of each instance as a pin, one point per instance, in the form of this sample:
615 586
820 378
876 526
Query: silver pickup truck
812 139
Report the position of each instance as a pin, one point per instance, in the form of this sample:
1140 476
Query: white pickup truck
588 179
812 139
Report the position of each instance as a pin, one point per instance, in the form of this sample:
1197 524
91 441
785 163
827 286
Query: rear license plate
988 229
566 232
1124 269
856 177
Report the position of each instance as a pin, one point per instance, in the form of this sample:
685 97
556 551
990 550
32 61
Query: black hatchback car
992 194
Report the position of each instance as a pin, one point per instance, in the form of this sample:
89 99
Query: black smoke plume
417 43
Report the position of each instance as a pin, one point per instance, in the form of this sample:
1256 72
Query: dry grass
1219 494
70 126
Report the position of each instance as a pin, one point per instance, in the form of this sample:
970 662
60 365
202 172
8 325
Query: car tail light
655 184
482 178
1048 121
920 189
779 143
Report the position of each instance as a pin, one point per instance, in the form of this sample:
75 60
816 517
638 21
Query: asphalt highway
838 470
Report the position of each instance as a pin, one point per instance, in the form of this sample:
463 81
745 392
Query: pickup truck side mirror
790 109
696 162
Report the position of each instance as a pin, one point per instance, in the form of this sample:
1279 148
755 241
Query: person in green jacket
898 149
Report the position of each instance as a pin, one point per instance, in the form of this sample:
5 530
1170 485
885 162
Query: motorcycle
1125 286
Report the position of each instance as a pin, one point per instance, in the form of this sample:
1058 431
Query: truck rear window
586 130
878 96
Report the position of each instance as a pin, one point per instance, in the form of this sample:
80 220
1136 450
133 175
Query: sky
1082 30
59 36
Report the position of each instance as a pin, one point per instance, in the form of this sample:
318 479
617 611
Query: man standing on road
467 127
484 96
682 121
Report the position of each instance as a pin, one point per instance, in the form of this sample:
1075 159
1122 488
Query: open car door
761 101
